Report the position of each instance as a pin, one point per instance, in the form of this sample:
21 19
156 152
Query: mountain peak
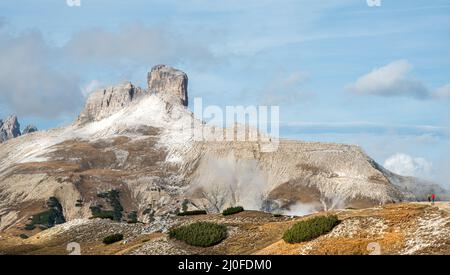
163 81
168 83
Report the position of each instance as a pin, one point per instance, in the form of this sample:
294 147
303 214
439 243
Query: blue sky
340 71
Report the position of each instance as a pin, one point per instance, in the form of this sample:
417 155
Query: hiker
429 198
433 198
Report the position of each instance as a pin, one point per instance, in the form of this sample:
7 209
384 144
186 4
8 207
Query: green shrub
310 229
113 198
30 227
232 210
23 236
48 218
113 238
184 205
192 213
132 217
201 234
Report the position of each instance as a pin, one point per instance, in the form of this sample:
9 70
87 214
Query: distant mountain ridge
10 128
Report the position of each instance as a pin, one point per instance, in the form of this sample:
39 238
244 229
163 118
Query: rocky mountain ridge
131 152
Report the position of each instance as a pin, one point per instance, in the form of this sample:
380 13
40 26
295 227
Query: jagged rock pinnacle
10 128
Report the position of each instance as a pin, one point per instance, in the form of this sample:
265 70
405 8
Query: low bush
203 234
310 229
30 227
97 212
232 210
113 238
113 198
48 218
192 213
132 217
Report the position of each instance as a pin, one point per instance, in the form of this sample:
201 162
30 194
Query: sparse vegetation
112 197
232 210
310 229
79 203
192 213
184 205
150 214
203 234
97 212
48 218
132 217
113 239
29 227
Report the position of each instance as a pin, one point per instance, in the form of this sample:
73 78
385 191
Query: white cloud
390 80
92 86
406 165
443 92
30 81
287 89
136 44
40 79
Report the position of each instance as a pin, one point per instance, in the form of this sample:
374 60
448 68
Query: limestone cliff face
105 102
169 84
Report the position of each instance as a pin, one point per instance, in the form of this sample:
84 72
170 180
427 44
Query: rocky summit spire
168 83
10 128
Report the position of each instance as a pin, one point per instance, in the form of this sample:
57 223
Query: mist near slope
227 181
301 209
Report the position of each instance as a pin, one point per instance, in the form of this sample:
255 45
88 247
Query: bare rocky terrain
131 155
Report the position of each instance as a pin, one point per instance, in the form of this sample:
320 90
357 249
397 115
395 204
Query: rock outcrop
169 84
10 128
29 129
105 102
